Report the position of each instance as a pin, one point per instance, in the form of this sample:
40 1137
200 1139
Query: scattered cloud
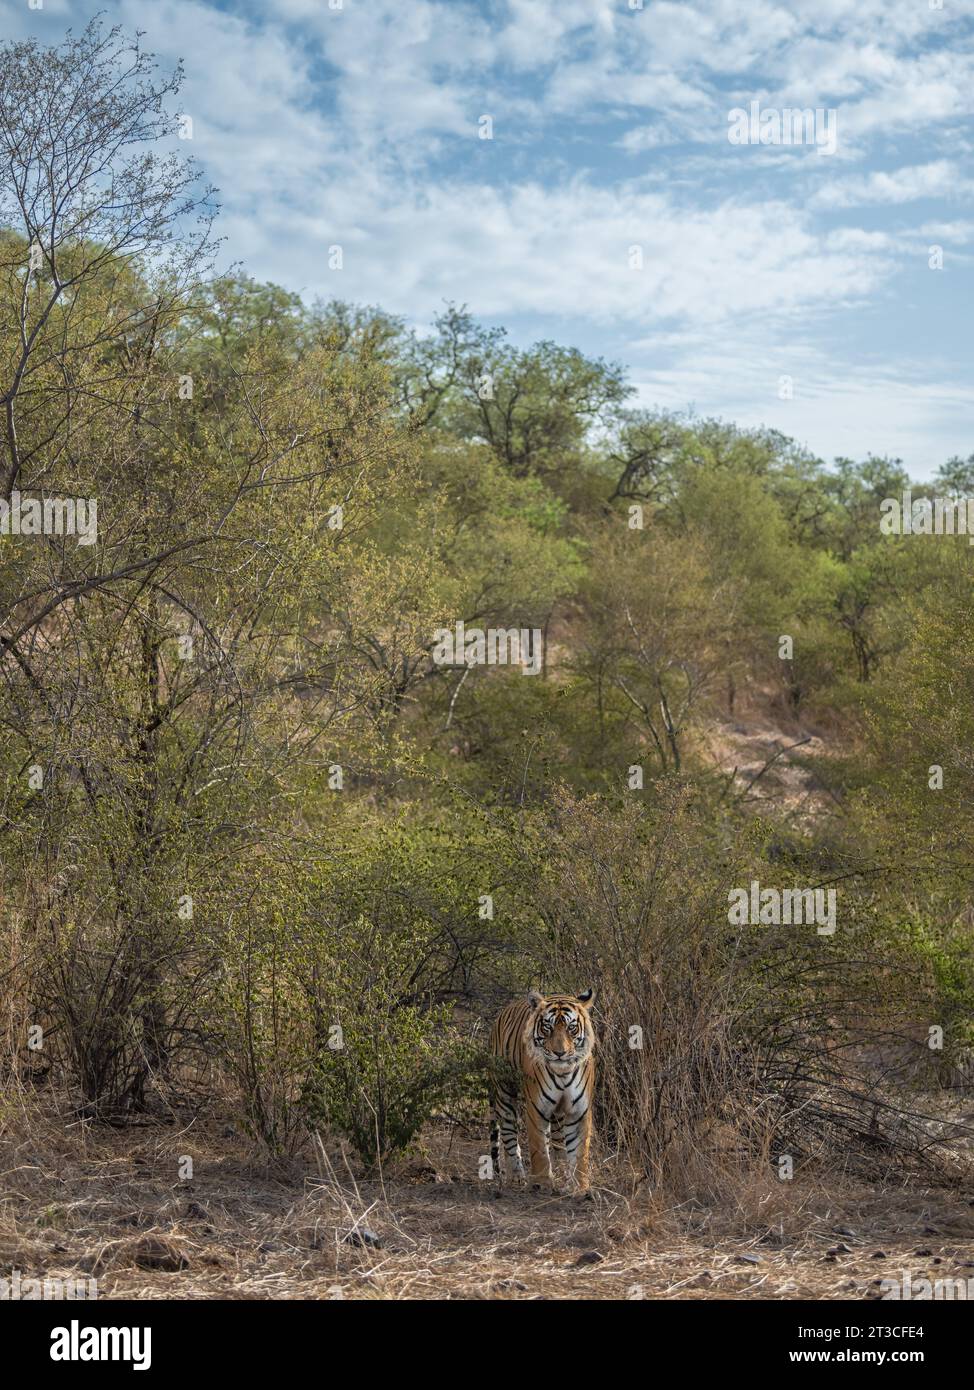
358 126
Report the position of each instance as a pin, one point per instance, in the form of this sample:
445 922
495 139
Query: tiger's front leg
541 1175
578 1139
503 1132
559 1156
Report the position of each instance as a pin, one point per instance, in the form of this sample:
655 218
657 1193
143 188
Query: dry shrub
719 1044
629 901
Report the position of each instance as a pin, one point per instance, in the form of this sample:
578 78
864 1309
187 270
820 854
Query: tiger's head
561 1028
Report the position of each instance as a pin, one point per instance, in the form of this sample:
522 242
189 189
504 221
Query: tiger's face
562 1030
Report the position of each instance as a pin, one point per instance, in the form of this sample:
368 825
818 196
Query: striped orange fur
542 1054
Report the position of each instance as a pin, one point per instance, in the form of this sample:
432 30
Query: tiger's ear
586 996
535 999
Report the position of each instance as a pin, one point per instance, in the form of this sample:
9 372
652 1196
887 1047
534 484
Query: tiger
543 1048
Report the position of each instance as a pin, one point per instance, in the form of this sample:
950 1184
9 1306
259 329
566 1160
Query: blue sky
358 126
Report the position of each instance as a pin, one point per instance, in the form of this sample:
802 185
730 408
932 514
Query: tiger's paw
581 1192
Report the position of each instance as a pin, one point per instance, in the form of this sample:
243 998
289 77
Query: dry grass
79 1200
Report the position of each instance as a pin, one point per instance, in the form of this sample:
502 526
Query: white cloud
960 233
564 251
358 126
649 137
920 412
938 179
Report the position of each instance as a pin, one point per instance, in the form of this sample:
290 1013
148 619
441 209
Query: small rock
362 1236
589 1257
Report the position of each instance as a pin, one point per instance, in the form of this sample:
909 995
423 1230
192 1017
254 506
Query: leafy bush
329 1021
386 1067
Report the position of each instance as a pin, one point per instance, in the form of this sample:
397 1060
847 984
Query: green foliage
240 802
388 1066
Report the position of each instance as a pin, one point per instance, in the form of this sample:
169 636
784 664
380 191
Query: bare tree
86 200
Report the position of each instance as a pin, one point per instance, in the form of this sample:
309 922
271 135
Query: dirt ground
81 1201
